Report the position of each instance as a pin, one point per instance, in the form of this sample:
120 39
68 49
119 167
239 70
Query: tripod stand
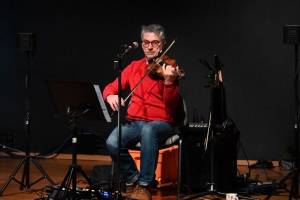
74 168
71 98
27 158
294 173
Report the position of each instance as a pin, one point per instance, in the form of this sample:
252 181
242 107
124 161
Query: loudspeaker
26 42
291 34
7 139
196 162
89 143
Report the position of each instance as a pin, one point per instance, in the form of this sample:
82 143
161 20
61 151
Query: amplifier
203 126
196 161
196 126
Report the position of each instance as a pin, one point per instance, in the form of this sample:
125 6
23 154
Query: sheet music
102 103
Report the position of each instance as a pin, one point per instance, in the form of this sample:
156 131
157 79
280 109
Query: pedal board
82 193
260 189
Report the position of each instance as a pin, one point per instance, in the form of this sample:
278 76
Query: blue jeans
149 134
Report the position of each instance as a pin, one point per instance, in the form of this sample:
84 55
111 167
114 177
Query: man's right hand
113 101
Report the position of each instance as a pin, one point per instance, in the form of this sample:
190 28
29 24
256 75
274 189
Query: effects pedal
264 188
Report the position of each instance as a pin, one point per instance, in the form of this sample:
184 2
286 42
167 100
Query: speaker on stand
291 34
27 42
292 37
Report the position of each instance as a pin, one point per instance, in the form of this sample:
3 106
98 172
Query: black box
291 34
197 165
26 42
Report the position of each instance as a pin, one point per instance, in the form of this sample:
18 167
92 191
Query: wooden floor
57 169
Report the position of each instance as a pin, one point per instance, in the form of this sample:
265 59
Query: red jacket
151 100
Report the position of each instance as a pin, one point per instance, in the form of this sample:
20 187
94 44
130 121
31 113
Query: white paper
102 103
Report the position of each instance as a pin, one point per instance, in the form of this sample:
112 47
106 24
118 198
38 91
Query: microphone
134 45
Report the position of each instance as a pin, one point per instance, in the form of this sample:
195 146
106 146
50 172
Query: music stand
73 100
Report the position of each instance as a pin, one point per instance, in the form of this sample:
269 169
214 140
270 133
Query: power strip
264 188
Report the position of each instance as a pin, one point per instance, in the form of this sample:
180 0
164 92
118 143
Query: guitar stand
216 81
25 176
74 168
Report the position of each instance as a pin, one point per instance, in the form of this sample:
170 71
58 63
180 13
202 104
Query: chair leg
179 168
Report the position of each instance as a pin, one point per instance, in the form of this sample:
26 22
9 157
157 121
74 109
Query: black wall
79 40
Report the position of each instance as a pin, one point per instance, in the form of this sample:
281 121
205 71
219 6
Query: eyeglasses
154 43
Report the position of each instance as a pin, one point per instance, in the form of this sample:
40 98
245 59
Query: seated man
150 116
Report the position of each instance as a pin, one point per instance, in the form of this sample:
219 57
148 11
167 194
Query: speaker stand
294 174
26 160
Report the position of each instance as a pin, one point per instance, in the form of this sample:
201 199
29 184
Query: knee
111 142
148 132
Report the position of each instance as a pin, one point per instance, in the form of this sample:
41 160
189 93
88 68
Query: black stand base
25 175
294 192
282 185
71 176
117 196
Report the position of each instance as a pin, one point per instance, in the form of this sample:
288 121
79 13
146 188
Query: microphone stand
118 65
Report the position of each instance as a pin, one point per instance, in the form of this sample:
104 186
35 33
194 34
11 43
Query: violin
155 65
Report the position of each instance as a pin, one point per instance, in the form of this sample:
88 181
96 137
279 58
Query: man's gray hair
154 28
